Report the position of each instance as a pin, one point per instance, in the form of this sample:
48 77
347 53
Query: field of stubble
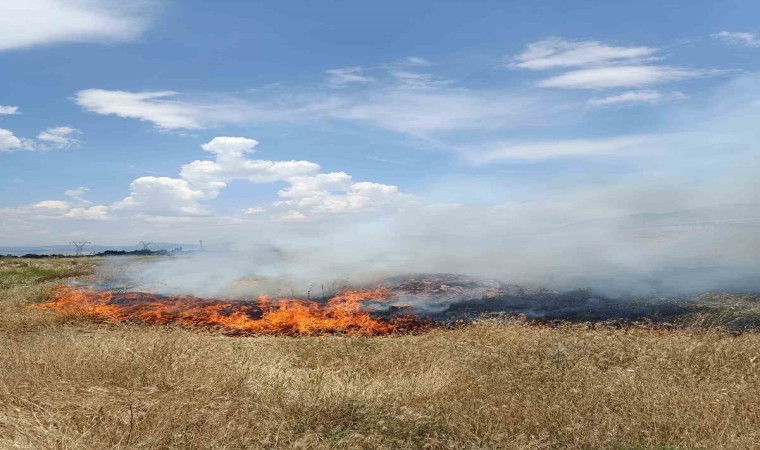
66 383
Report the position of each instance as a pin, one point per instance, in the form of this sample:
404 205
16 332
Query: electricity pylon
79 245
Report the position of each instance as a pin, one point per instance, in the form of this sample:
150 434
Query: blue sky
365 108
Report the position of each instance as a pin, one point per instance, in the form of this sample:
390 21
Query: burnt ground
451 298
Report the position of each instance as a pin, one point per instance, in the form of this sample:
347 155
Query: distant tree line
144 252
103 253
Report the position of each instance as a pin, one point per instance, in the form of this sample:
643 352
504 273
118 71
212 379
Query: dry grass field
66 383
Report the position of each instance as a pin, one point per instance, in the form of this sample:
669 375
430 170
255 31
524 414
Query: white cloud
554 53
8 110
29 23
619 76
294 216
643 96
59 137
203 179
312 186
308 190
601 66
345 76
77 192
163 196
230 147
401 97
58 209
156 106
97 212
628 97
430 111
52 204
209 177
52 138
9 141
415 61
417 105
337 193
407 79
165 111
742 39
213 175
540 151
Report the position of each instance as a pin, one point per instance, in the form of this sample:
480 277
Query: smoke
553 244
683 217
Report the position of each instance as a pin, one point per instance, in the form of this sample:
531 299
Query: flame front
341 314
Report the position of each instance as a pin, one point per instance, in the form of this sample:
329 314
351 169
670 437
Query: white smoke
685 219
688 249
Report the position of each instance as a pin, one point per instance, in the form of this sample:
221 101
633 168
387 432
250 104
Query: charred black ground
451 297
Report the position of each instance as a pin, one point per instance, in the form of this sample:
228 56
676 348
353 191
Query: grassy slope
65 383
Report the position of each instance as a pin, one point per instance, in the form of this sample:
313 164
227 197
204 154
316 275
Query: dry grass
70 384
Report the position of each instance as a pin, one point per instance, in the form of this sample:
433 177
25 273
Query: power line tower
145 245
79 245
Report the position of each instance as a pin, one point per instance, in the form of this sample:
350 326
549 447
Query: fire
341 314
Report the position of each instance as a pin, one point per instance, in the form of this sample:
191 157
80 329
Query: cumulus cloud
559 53
337 193
738 38
204 179
52 204
310 186
231 164
73 208
59 209
226 147
8 110
98 212
76 195
9 141
308 190
30 23
163 196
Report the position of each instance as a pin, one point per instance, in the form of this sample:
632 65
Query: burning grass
341 314
72 383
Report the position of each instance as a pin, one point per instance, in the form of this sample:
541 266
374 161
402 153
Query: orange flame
341 314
